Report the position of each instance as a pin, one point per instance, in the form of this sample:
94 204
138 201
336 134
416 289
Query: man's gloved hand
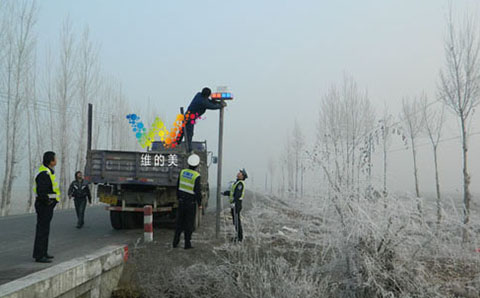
224 104
232 205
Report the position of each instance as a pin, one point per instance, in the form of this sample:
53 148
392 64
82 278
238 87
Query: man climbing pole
200 103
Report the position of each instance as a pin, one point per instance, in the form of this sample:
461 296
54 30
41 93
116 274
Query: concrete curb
93 275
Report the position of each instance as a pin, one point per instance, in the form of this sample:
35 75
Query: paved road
66 242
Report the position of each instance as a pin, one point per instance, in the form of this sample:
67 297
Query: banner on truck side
159 160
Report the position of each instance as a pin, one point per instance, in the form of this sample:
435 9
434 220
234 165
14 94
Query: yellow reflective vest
55 186
187 181
232 190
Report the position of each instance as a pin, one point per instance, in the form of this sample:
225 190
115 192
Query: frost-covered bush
342 246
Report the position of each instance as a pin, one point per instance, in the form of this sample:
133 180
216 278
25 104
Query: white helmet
193 160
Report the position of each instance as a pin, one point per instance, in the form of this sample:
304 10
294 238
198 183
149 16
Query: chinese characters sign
158 160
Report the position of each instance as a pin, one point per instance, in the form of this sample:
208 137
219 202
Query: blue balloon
140 125
134 129
133 116
139 135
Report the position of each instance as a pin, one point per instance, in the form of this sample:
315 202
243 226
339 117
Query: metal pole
219 171
89 137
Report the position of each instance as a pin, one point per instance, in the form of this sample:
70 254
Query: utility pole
221 97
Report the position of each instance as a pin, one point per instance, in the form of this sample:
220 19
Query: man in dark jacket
236 195
47 194
200 103
189 194
80 192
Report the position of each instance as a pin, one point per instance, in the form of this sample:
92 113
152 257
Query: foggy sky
278 58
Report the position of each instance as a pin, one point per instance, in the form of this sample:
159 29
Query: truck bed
158 167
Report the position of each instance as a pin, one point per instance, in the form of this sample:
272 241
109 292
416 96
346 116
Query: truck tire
116 220
129 220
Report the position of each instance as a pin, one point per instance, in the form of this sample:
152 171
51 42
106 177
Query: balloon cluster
169 138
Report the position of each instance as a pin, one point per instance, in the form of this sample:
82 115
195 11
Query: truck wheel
116 219
129 220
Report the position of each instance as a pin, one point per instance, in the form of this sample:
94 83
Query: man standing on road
47 195
236 195
80 192
189 194
200 103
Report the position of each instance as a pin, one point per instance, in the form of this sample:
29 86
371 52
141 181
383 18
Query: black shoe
175 245
48 256
78 226
188 247
43 260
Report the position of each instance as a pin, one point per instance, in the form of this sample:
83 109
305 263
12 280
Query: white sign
158 160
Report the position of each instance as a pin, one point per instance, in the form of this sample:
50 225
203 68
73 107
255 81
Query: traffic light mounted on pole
220 96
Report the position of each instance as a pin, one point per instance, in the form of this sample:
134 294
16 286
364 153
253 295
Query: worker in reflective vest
236 195
47 195
189 194
199 104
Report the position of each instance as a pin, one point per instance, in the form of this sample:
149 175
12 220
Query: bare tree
346 119
19 44
298 148
289 164
49 92
65 92
385 131
271 170
459 87
88 87
413 124
30 92
434 119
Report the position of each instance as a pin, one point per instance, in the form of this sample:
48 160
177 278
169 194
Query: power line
47 108
440 141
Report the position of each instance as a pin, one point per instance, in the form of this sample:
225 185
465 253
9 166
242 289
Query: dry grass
335 248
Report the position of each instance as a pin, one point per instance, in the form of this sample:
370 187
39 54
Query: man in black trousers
47 195
236 195
189 194
200 103
80 192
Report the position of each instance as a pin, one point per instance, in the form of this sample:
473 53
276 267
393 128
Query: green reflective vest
232 190
187 180
55 186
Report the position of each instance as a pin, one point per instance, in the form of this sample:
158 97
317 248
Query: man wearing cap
189 194
236 195
200 103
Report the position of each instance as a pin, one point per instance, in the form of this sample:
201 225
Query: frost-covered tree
459 86
346 118
434 118
298 147
413 123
